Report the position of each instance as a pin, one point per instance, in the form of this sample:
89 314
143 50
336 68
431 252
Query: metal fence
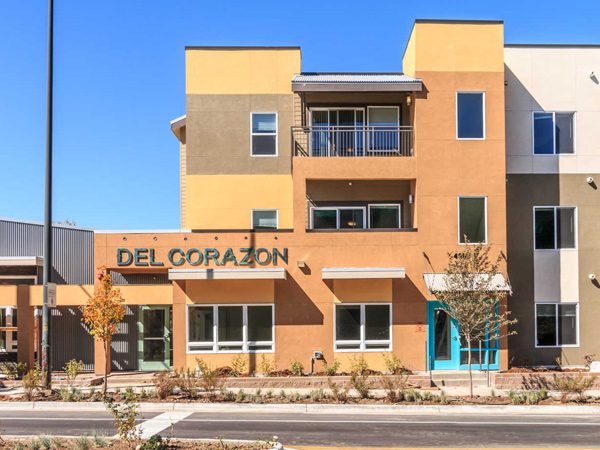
359 141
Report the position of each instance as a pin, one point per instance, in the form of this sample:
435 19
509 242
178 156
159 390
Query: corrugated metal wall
124 346
70 338
139 278
73 249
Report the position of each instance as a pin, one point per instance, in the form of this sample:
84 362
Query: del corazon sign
206 256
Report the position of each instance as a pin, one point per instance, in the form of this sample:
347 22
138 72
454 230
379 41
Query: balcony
352 141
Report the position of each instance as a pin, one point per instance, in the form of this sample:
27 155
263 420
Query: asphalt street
333 430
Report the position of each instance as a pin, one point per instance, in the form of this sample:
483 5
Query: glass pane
565 224
264 219
260 323
352 218
464 356
231 323
347 326
264 123
472 219
2 317
383 116
348 346
441 338
377 346
14 317
324 219
264 145
154 350
200 324
544 228
543 134
377 322
154 323
567 324
384 216
564 133
260 348
201 348
546 324
469 114
320 135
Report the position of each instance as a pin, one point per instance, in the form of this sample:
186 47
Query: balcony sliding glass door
337 132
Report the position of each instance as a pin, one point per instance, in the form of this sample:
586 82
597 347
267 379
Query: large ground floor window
556 324
230 328
363 327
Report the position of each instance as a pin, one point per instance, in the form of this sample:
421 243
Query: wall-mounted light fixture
408 100
411 199
592 75
590 180
591 276
301 264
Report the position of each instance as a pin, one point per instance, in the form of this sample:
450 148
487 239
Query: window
553 133
555 227
472 220
264 134
264 219
470 115
384 216
363 327
230 328
341 217
556 325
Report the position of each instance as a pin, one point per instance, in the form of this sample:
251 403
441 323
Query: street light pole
46 367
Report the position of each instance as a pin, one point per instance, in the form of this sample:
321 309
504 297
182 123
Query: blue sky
119 79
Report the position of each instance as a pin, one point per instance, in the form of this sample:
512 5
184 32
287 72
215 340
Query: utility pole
46 367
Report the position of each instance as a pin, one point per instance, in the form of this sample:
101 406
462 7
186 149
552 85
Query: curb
310 408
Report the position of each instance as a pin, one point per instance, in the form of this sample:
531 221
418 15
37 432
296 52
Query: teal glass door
154 345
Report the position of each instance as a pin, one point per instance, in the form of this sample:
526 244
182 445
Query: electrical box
318 354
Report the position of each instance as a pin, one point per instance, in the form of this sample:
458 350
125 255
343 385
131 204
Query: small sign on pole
51 294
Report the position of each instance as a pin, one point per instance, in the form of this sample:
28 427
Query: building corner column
179 325
25 327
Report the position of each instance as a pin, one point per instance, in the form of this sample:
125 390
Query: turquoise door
446 349
154 344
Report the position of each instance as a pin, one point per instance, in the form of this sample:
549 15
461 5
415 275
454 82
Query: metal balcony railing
358 141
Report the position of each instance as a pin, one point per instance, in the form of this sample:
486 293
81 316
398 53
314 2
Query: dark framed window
384 216
553 133
264 219
556 324
363 327
470 115
555 227
342 217
472 220
264 134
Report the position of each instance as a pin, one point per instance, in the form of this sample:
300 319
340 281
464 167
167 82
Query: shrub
155 442
392 363
45 441
297 367
239 364
338 393
267 365
211 382
443 398
240 397
361 384
164 384
229 396
34 443
73 368
282 394
412 395
358 364
20 445
393 386
70 394
82 443
187 382
99 440
124 418
331 369
543 393
31 381
225 371
201 365
573 386
14 371
317 395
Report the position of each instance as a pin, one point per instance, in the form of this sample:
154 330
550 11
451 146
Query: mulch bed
71 444
542 370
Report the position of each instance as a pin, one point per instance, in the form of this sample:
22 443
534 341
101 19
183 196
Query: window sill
377 350
558 346
361 230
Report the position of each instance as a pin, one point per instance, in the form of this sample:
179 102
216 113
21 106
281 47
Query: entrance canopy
345 273
21 261
436 282
258 273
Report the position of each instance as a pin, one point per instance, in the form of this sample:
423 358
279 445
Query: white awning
258 273
21 261
436 282
348 273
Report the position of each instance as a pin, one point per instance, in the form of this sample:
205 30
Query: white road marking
161 422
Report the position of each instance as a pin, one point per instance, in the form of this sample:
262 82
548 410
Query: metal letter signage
144 257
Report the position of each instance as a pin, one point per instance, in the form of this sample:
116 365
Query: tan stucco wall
552 79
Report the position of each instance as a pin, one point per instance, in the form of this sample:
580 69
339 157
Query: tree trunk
105 385
469 362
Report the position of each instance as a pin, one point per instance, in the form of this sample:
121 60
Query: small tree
102 313
472 297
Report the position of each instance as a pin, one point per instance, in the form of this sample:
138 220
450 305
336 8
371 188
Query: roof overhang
228 274
356 87
177 125
436 282
355 82
21 261
352 273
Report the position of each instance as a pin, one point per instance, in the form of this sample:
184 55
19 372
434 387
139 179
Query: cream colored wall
556 275
552 79
8 295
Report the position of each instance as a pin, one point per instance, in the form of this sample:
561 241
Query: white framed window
554 227
557 324
338 217
470 115
263 134
262 219
553 133
235 328
362 327
472 220
385 215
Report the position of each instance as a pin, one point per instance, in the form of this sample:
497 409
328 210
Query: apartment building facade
318 210
552 163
